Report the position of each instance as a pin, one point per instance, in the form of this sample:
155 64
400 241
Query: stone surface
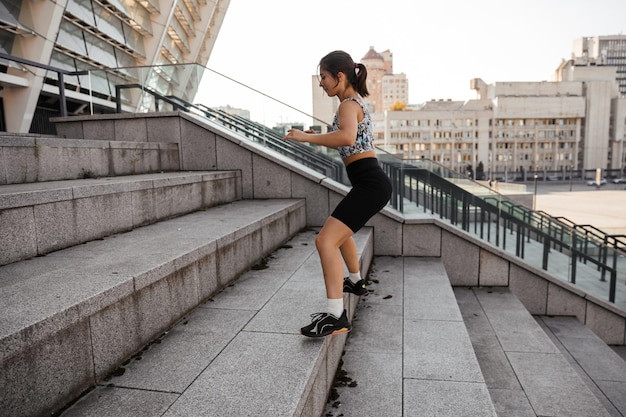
446 399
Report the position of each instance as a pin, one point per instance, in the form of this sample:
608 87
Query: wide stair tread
42 217
409 353
69 318
32 158
240 353
526 373
599 365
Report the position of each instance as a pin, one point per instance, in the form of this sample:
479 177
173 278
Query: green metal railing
579 254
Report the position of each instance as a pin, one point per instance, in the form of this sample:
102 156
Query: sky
274 46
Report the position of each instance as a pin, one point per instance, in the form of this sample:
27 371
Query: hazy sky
275 45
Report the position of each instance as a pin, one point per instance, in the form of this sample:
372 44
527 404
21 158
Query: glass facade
94 35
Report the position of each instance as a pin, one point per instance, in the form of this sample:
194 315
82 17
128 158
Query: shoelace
317 316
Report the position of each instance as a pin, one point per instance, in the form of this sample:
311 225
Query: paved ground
604 208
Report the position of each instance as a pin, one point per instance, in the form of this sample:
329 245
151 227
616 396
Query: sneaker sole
358 295
334 332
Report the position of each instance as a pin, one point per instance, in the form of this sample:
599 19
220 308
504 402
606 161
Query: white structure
576 122
386 88
395 91
324 107
77 35
516 127
603 51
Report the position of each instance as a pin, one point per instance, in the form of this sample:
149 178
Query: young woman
352 136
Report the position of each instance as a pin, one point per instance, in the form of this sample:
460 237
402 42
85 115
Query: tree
398 106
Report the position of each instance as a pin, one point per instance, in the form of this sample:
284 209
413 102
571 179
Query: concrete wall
32 159
471 262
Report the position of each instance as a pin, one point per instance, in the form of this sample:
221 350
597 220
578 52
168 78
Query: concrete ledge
32 159
70 318
48 216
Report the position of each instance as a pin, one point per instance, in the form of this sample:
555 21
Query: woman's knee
333 235
322 241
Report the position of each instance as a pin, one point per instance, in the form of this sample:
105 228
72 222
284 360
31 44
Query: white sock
334 306
355 277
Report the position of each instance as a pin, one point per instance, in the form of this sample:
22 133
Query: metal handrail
299 152
60 74
494 217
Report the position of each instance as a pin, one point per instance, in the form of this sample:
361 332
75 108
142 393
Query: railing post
62 94
546 251
574 257
118 100
612 285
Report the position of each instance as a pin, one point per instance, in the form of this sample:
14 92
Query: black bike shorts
371 190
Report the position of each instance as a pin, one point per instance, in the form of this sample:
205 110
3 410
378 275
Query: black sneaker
324 324
351 287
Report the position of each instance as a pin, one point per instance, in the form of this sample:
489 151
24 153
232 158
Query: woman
352 136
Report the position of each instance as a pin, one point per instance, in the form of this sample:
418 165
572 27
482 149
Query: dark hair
340 61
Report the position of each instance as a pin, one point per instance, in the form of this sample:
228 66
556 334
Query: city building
324 107
513 129
603 51
93 35
386 88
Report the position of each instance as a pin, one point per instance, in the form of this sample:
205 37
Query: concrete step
409 353
240 353
525 372
39 158
38 218
70 318
600 366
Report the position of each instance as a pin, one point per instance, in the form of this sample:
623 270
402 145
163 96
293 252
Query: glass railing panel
219 99
421 187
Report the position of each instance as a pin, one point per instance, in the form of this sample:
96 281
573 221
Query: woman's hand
298 135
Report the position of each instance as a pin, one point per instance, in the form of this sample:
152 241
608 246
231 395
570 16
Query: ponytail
340 61
361 80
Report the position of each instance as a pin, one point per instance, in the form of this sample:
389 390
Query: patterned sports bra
364 134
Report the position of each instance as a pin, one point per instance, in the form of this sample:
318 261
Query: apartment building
512 129
603 51
386 88
92 35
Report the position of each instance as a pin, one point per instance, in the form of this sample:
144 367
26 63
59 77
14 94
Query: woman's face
328 83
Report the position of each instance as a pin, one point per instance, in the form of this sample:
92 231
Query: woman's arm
349 114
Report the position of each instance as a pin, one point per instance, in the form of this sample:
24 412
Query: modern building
94 35
577 122
324 107
386 88
603 51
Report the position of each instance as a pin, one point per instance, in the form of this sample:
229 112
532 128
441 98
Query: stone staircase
240 352
420 347
95 269
169 270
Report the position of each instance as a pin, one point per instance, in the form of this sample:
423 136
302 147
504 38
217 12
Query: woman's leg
330 239
350 256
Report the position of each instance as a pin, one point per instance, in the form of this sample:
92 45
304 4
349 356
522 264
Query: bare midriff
362 155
